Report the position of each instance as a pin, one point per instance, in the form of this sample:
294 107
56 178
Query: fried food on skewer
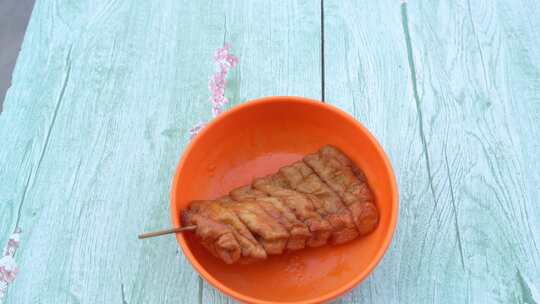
298 231
323 199
246 192
276 186
203 212
216 236
267 230
303 179
349 182
276 208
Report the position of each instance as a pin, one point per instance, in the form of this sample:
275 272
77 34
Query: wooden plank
367 75
459 136
103 96
466 166
477 132
279 49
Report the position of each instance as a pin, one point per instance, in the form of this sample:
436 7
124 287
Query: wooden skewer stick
167 231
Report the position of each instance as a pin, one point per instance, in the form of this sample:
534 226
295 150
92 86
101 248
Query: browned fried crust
245 192
215 236
324 198
348 181
274 207
214 211
303 179
267 230
277 186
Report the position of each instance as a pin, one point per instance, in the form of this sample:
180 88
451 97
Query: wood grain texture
104 92
477 131
458 124
367 75
103 96
279 49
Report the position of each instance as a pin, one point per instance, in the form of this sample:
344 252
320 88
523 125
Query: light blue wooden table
104 93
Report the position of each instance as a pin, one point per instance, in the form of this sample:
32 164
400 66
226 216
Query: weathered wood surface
450 88
104 93
92 130
102 99
471 59
367 75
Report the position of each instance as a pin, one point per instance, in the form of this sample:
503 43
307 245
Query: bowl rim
330 295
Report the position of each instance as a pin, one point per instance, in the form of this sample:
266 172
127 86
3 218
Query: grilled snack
349 182
323 199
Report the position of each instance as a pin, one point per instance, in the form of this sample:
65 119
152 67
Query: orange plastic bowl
255 139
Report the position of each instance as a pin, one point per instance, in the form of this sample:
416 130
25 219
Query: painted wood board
103 97
104 93
470 56
458 125
367 75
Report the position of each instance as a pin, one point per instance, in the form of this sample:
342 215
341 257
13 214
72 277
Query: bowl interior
254 140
